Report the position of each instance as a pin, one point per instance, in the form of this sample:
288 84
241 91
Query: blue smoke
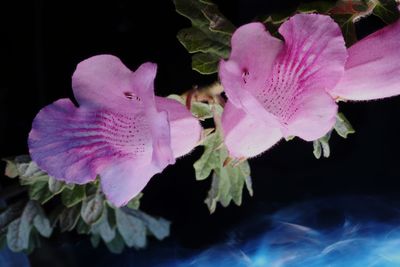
345 232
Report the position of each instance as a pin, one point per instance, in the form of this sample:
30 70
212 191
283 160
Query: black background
42 41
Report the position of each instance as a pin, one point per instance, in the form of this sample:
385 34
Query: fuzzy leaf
212 156
387 11
117 244
71 197
135 202
92 209
132 229
321 146
40 191
55 186
209 36
42 225
69 218
103 228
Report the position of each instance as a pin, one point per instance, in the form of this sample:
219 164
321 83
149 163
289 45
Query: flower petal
246 136
104 81
75 145
185 129
373 67
315 118
311 62
124 180
253 53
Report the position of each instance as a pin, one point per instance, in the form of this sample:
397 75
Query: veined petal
373 67
245 135
185 129
311 62
75 145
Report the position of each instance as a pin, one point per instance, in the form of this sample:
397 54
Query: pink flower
280 89
120 130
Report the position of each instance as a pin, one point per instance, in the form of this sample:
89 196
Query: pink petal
75 145
253 53
124 180
117 125
311 62
246 136
315 118
373 67
104 81
185 129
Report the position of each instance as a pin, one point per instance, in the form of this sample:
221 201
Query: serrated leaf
92 209
71 197
343 126
211 158
117 245
103 228
209 36
69 218
135 202
205 63
227 185
132 229
55 186
40 191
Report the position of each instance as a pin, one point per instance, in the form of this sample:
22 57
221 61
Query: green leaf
18 233
40 191
227 185
132 229
10 214
42 224
202 111
387 11
71 197
209 36
159 227
343 126
135 202
55 186
92 209
82 227
103 228
69 218
212 156
117 245
95 240
321 146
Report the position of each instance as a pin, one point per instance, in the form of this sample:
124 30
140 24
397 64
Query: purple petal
373 67
75 145
185 129
246 136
